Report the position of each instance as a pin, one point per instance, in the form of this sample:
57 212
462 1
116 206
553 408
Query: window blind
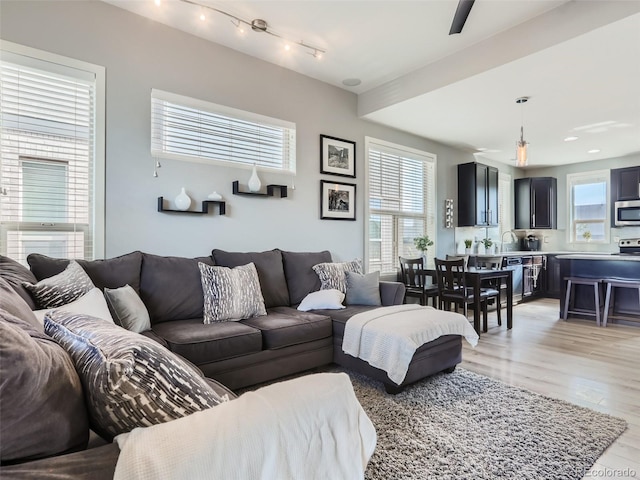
589 210
188 129
47 151
402 205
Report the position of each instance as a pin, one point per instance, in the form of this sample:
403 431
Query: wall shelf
271 189
203 211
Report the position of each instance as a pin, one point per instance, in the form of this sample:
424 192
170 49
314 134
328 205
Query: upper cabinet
477 195
625 184
536 202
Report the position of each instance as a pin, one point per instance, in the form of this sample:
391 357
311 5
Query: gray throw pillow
129 380
43 411
332 275
363 289
67 286
231 293
127 309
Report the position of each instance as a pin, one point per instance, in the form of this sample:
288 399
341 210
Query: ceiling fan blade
460 17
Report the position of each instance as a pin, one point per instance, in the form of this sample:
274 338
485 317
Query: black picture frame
337 156
337 200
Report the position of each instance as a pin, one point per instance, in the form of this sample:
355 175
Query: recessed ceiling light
595 150
351 82
570 139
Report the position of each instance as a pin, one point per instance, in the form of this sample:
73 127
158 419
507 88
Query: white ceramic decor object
183 201
214 196
254 183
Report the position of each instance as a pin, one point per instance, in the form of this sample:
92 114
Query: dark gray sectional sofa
237 354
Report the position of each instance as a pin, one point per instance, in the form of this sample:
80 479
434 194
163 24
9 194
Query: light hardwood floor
576 361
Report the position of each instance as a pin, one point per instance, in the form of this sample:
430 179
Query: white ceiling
578 60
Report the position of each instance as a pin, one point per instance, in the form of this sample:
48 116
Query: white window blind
184 128
402 204
47 158
588 193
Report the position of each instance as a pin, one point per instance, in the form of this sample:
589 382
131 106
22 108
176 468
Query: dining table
475 277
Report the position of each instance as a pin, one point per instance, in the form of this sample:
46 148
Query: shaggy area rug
467 426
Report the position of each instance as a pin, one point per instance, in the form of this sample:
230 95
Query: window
588 211
51 155
401 204
184 128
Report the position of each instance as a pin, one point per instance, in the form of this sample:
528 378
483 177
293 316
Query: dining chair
452 288
414 278
492 263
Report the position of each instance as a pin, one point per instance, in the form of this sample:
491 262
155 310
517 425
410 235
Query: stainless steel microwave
627 213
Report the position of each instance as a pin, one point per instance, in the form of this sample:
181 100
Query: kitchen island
601 266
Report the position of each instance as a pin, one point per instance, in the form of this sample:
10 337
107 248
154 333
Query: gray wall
139 55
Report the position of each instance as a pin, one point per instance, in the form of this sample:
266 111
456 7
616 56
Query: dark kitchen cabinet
477 195
625 184
536 202
552 282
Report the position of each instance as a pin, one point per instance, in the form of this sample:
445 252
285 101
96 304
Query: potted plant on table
587 236
467 246
423 243
488 244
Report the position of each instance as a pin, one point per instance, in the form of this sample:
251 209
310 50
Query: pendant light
521 145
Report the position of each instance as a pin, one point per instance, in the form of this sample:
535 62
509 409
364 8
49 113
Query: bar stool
595 283
612 284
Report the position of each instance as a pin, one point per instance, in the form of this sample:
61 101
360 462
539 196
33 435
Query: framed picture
337 156
337 200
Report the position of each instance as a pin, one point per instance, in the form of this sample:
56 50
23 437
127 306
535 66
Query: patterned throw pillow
129 380
332 275
231 293
67 286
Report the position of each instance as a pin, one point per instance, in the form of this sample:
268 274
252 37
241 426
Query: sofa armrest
391 293
308 427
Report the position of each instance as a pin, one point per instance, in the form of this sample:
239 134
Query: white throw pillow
128 309
91 303
322 299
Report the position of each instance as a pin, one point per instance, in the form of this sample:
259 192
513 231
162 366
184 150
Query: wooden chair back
491 263
451 276
411 272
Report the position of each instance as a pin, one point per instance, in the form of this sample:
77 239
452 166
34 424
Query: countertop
602 256
529 253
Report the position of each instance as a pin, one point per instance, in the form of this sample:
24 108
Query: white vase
254 182
467 251
183 201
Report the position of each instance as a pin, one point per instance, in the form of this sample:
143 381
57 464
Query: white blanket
388 337
311 427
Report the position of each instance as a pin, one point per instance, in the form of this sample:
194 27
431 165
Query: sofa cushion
65 287
333 275
363 289
270 272
283 327
340 317
298 270
170 287
113 272
13 303
204 343
127 308
129 380
15 274
231 294
43 409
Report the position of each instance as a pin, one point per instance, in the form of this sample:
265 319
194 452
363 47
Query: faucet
514 238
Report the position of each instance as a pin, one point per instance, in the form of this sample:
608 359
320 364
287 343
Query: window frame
288 160
582 178
427 216
62 65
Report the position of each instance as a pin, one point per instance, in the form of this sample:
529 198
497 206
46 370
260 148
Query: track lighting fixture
257 25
